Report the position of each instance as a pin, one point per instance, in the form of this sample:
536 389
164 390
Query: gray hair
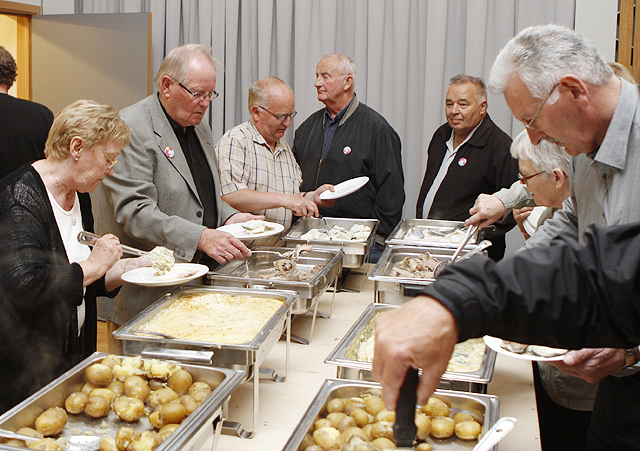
176 62
541 54
479 82
544 157
345 64
260 91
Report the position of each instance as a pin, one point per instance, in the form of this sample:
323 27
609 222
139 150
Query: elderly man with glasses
560 87
258 171
165 190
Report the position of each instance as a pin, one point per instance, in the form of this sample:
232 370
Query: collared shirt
449 156
246 161
330 126
200 170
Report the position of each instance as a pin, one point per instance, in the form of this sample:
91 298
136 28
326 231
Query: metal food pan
349 368
194 431
485 408
246 273
404 228
354 251
389 289
245 356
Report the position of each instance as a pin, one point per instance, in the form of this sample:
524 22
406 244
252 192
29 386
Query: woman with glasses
49 280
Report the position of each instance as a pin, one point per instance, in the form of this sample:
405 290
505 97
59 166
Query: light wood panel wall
629 37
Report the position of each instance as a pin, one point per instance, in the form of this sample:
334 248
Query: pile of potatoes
363 424
132 388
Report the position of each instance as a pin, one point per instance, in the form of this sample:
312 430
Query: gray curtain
405 52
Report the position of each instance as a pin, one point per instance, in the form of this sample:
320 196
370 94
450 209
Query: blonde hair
621 71
92 121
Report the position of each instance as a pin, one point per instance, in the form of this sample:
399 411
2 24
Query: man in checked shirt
258 171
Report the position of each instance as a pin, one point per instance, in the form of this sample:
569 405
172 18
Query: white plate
147 278
344 188
530 223
496 344
239 232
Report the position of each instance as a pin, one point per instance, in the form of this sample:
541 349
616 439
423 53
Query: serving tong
89 239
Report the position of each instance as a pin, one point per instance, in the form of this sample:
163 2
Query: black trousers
561 428
615 424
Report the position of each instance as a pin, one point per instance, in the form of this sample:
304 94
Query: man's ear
348 82
574 86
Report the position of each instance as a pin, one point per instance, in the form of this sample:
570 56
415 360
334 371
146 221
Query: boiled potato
382 429
162 396
128 408
136 387
463 416
385 415
86 388
367 429
358 444
30 432
436 407
352 432
180 381
361 417
468 430
76 402
108 444
147 441
163 435
199 391
424 447
111 361
335 405
97 407
335 418
104 392
173 412
423 424
373 405
169 427
442 427
117 387
156 419
383 443
314 448
125 437
328 438
99 375
189 403
352 404
47 444
51 421
155 384
323 423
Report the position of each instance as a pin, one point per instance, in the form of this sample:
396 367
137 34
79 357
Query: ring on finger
227 255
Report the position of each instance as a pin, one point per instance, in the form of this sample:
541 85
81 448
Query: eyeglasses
111 162
529 124
525 179
280 117
199 96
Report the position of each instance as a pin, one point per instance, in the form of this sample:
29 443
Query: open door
102 57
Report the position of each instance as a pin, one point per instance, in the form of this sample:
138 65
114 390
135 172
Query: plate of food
180 273
530 223
523 351
344 188
251 230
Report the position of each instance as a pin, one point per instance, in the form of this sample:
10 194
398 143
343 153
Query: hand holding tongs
89 239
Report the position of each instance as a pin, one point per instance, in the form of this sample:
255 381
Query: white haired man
559 86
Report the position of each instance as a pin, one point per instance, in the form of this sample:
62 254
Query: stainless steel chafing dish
389 289
246 356
246 274
400 234
349 368
485 408
354 251
195 430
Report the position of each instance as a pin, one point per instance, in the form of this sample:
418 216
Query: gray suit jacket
151 199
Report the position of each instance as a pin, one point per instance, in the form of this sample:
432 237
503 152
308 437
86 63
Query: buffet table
282 405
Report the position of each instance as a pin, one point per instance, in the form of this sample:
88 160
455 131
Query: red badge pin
462 161
169 152
346 150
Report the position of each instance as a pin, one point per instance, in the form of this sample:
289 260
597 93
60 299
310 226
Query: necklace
58 183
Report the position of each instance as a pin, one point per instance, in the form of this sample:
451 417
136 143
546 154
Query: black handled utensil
404 429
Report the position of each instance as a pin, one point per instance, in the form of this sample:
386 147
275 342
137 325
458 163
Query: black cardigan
39 290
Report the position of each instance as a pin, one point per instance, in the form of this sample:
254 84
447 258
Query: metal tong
89 239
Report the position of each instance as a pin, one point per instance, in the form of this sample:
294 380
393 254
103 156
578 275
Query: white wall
597 20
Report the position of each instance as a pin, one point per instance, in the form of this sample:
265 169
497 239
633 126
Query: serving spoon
74 443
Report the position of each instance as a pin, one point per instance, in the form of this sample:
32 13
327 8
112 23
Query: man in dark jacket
468 156
348 139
